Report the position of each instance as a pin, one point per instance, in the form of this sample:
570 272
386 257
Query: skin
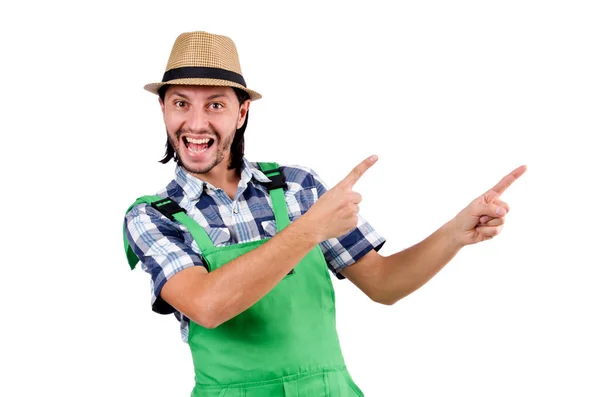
387 279
205 112
210 299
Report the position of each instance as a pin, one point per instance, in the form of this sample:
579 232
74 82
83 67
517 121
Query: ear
243 112
162 106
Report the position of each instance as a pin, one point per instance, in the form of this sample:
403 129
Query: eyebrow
215 96
210 98
177 93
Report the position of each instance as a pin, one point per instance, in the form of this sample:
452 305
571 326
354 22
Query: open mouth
197 145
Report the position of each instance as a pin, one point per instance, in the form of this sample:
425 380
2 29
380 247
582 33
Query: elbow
206 322
389 302
379 293
381 298
384 300
386 294
207 315
387 299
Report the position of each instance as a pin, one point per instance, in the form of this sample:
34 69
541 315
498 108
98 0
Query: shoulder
143 209
303 176
298 178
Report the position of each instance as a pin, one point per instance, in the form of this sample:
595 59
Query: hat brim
154 87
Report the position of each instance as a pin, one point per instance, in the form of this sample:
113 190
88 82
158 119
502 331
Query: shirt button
235 210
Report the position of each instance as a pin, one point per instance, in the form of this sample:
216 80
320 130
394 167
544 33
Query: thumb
489 209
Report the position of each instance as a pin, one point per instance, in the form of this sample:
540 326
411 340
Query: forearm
406 271
237 285
213 298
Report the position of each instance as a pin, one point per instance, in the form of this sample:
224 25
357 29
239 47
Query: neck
221 177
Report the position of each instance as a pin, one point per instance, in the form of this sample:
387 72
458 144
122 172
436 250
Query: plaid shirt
166 247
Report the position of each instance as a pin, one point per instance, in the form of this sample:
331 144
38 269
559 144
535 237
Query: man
239 251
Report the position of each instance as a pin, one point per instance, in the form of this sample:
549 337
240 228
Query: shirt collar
194 187
254 171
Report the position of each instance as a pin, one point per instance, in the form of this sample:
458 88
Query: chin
199 167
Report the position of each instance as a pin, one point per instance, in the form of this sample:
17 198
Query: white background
450 95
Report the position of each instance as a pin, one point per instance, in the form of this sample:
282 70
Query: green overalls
286 344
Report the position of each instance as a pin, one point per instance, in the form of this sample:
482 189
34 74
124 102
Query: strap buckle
277 181
167 207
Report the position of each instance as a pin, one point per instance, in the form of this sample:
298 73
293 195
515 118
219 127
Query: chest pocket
219 235
270 228
300 201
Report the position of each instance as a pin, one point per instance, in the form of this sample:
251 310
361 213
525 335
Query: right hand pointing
336 212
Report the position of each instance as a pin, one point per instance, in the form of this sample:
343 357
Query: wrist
451 234
304 231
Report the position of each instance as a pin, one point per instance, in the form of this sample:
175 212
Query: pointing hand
336 212
483 218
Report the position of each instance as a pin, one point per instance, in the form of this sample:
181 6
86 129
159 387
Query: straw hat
201 58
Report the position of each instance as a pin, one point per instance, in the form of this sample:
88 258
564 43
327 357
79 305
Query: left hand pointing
483 218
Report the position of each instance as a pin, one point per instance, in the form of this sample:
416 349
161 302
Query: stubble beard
222 146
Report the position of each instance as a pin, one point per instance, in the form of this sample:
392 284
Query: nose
197 120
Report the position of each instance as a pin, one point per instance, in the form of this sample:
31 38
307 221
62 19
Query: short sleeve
161 248
345 250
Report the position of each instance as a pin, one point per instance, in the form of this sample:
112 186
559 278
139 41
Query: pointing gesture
336 212
483 218
358 171
508 180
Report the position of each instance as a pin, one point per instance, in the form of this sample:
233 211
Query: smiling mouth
197 145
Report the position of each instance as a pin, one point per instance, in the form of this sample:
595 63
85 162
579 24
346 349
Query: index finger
507 181
358 171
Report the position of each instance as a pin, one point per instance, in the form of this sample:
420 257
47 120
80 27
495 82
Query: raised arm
211 298
388 279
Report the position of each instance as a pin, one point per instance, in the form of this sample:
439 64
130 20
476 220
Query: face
201 122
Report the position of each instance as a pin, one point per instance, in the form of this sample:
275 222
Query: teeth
198 151
198 141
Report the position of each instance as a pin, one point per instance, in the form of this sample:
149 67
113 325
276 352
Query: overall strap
272 171
174 212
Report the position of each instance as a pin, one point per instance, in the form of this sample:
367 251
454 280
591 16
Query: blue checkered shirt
166 247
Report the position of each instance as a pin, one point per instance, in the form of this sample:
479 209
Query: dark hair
237 146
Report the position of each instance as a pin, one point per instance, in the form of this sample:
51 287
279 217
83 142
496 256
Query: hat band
201 72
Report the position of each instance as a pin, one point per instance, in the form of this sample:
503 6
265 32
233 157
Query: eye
216 106
179 104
